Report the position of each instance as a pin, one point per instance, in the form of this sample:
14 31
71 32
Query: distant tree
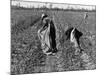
50 5
18 5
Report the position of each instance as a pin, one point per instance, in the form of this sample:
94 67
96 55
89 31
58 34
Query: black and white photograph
52 37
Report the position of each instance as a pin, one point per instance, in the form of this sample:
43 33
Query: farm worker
47 35
74 35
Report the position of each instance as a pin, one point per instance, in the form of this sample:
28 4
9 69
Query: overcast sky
28 3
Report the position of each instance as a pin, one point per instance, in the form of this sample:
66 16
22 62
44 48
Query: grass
26 53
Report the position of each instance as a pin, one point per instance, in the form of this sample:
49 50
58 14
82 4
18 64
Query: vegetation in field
26 52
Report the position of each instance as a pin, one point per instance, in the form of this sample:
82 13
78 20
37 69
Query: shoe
54 50
50 50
